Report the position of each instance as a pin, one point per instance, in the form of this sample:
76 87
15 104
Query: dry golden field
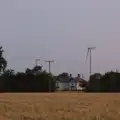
60 106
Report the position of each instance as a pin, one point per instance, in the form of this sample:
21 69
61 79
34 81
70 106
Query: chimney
78 75
70 75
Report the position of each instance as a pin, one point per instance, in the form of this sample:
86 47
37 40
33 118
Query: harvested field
60 106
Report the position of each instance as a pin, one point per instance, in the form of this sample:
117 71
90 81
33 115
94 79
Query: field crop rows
60 106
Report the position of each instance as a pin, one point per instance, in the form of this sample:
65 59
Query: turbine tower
89 53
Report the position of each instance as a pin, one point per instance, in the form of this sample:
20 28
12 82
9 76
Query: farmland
60 106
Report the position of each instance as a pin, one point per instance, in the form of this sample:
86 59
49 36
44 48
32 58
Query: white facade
62 85
79 87
68 84
65 85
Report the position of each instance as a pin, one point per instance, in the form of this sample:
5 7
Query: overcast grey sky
61 30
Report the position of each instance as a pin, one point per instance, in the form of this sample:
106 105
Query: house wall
62 86
79 87
72 86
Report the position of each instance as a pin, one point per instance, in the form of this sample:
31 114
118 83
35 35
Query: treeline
21 82
38 80
109 82
33 80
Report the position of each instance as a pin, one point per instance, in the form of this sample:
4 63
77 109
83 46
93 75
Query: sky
61 30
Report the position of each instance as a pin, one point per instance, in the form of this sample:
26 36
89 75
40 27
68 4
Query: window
57 85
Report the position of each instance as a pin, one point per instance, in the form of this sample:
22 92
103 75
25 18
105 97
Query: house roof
68 79
63 79
80 80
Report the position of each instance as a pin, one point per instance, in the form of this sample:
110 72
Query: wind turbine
89 52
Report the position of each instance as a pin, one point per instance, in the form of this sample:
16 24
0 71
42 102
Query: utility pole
49 62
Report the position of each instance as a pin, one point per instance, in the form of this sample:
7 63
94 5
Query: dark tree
94 84
28 71
3 62
8 72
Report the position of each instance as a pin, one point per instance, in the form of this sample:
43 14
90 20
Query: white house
62 83
65 83
62 86
81 83
70 84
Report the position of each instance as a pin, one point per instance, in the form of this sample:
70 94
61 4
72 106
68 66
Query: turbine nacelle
90 48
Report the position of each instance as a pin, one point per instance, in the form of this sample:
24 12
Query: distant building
70 83
62 83
80 83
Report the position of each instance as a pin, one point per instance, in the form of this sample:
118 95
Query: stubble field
60 106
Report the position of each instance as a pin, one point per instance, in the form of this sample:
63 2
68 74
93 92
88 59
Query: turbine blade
87 56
